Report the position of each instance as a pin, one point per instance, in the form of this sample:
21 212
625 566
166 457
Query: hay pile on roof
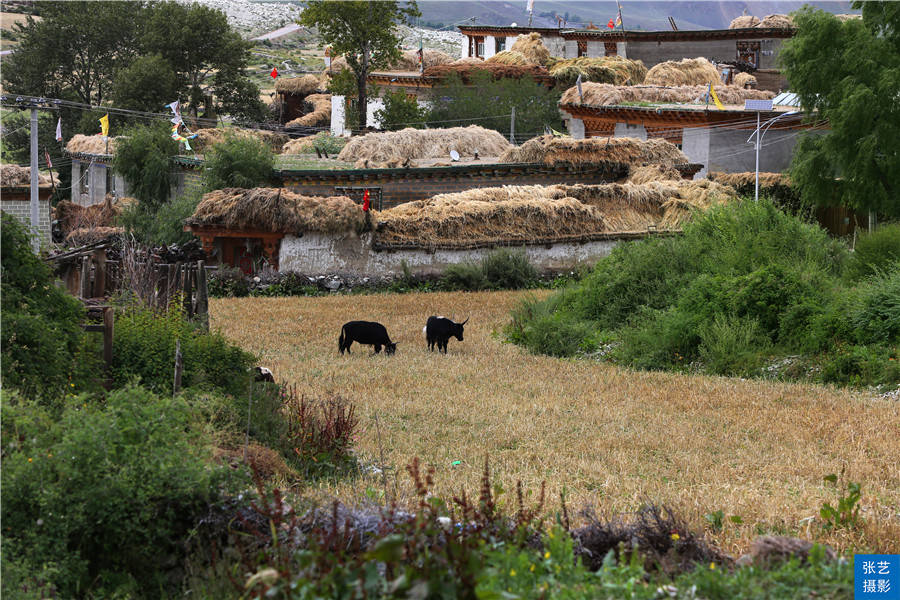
16 176
208 137
496 70
299 86
749 178
508 57
777 21
532 48
744 22
91 144
540 214
687 71
468 60
276 210
319 115
604 94
549 149
73 216
408 62
742 80
648 173
412 144
90 235
308 144
604 69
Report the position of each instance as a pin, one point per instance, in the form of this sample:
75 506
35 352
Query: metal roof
786 99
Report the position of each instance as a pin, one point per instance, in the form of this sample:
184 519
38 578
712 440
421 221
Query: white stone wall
489 46
338 106
21 209
576 128
695 145
316 253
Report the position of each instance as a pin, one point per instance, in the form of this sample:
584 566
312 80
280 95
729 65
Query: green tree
483 101
400 111
239 161
848 74
144 159
207 55
364 32
74 51
147 84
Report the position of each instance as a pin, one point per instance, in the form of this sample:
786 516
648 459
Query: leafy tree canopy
849 74
144 158
364 32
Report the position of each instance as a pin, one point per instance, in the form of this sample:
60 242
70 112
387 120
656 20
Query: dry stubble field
613 438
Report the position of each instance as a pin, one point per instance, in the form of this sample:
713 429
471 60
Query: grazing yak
365 332
439 330
263 374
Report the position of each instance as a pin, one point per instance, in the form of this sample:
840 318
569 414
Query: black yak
439 330
365 332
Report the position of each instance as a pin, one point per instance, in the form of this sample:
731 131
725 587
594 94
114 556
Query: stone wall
317 253
19 206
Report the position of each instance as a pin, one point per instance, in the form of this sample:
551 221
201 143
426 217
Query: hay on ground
744 22
209 137
777 21
265 462
508 57
605 69
687 71
277 209
14 176
604 94
532 48
412 144
533 214
298 86
549 149
91 144
90 235
742 80
319 115
496 70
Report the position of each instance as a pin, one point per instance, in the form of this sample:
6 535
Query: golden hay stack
776 21
687 71
604 94
766 179
468 60
14 176
508 57
277 209
320 114
744 22
532 48
208 137
742 80
73 216
89 235
412 144
604 69
91 144
648 173
299 86
549 150
408 62
533 214
308 144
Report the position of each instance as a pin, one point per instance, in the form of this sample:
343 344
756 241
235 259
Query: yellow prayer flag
104 125
712 92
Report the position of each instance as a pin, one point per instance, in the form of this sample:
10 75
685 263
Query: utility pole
512 127
35 219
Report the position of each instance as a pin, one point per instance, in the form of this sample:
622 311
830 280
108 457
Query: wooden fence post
100 274
85 290
188 289
179 365
202 298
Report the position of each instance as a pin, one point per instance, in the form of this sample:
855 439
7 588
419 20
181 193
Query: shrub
508 269
464 276
400 111
875 251
239 161
733 345
144 159
876 316
106 495
228 283
145 349
163 224
44 349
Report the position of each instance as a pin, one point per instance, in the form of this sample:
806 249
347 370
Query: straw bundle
749 178
411 144
532 48
89 235
744 22
742 80
73 216
648 173
408 62
687 71
496 70
777 21
277 209
299 86
14 175
91 144
549 150
508 57
319 115
468 60
208 137
605 69
604 94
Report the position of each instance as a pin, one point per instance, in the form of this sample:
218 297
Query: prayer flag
530 6
274 72
366 201
59 130
712 92
611 24
104 125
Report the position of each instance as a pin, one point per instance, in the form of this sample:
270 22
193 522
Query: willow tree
365 33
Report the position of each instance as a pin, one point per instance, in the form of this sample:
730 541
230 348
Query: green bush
464 276
105 495
239 161
144 158
162 224
876 316
400 112
502 269
44 349
145 349
733 345
875 251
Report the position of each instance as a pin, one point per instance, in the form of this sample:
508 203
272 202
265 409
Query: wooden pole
100 274
179 365
202 298
85 290
187 288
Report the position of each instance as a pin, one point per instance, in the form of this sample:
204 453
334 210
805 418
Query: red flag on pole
366 201
611 24
274 72
47 158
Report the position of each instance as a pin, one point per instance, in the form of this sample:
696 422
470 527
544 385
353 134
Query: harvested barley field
611 437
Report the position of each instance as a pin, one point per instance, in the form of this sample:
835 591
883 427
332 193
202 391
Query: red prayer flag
611 24
366 201
274 72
